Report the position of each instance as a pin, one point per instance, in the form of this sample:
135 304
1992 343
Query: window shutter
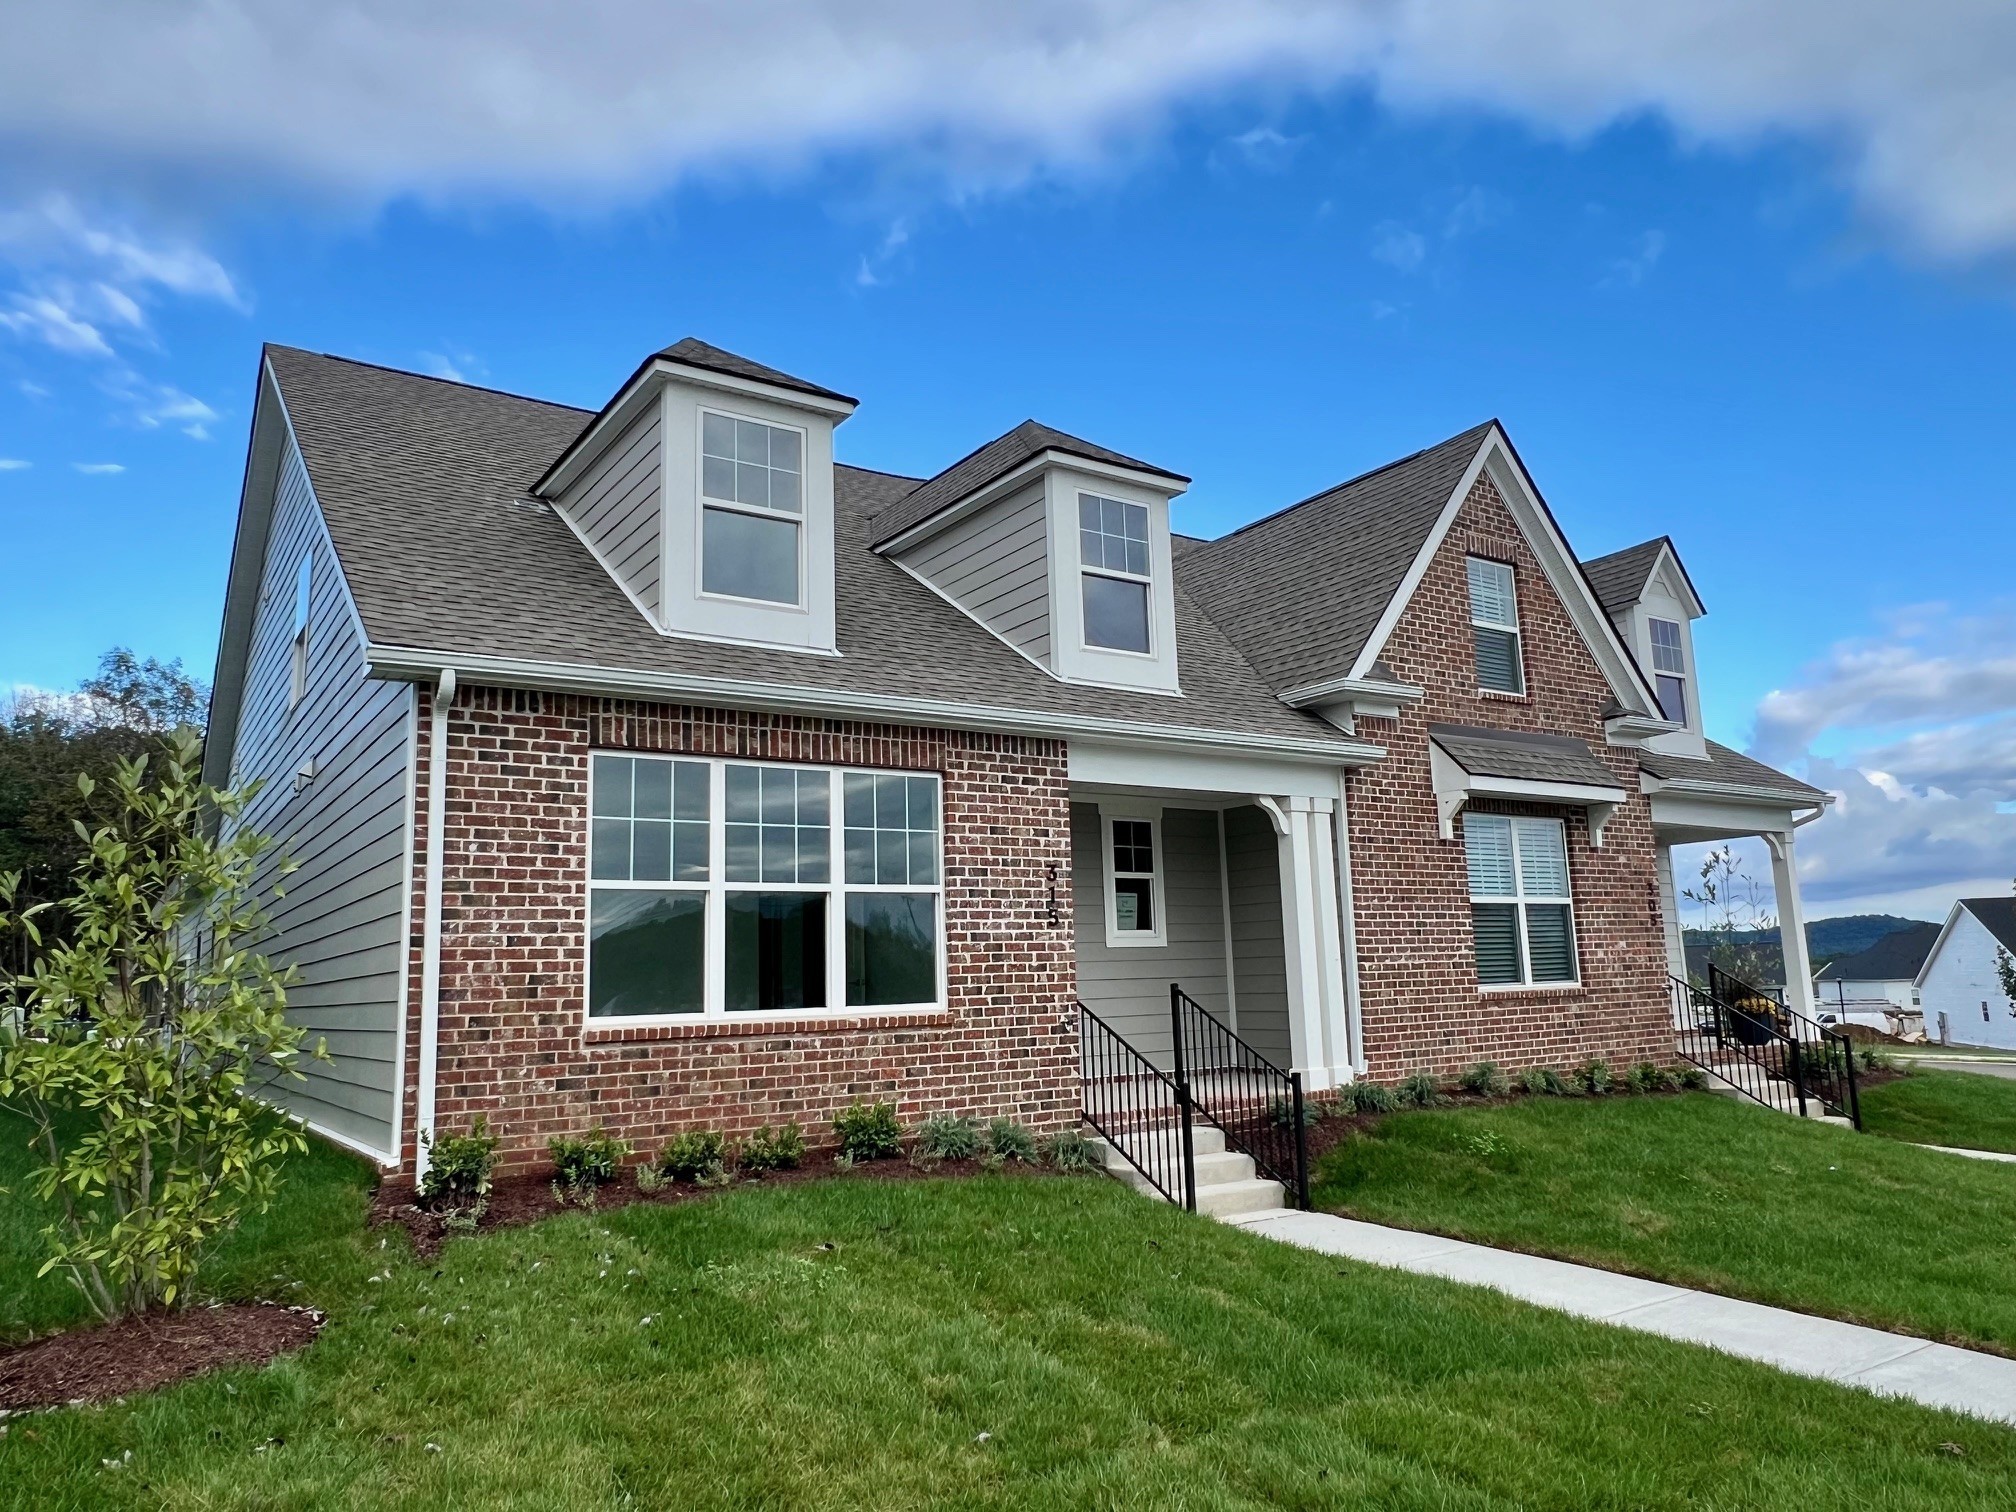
1487 842
1551 938
1497 930
1543 859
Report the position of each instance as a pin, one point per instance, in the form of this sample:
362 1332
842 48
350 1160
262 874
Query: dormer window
752 488
1494 625
1113 556
1669 668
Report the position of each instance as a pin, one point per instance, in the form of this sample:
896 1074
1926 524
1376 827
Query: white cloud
373 100
1398 246
1265 148
455 364
46 318
14 464
99 469
874 267
1631 270
32 390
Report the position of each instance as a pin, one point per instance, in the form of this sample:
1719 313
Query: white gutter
430 928
1361 689
415 665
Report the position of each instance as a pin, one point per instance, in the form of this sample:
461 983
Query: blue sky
1767 340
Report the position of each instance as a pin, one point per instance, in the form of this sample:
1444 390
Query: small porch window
1494 626
1520 907
1133 881
1669 669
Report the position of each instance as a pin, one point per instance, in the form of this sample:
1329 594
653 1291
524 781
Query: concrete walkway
1889 1364
1956 1150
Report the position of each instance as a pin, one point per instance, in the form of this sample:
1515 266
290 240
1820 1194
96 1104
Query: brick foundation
514 1045
1423 1008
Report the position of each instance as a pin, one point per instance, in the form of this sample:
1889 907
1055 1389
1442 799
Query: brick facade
1422 1006
514 1042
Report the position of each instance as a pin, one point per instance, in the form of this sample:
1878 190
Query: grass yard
1702 1191
1960 1108
999 1341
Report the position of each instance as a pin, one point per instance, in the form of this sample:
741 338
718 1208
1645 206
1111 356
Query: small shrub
584 1163
778 1149
1281 1113
1644 1077
458 1166
1368 1097
1072 1151
943 1137
1485 1079
1595 1078
1545 1081
1420 1091
650 1179
869 1131
1874 1060
1008 1140
695 1153
1693 1079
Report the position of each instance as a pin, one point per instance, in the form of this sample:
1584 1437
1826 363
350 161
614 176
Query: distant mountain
1826 939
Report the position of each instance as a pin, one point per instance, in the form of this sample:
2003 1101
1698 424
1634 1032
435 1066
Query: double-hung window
1114 572
1494 626
1520 907
1133 883
1669 669
727 887
297 650
752 488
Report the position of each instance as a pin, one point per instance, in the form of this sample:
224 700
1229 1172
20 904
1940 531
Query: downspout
430 928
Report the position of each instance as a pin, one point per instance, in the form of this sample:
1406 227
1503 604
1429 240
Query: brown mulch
110 1360
527 1196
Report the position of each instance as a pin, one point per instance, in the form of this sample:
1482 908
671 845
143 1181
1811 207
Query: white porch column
1307 886
1669 909
1329 941
1791 923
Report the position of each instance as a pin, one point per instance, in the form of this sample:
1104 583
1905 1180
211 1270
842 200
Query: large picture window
728 887
1494 626
1113 556
752 488
1520 907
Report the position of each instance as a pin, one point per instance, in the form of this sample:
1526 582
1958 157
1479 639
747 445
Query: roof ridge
385 367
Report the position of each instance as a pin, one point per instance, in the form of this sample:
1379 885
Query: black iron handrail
1257 1104
1768 1052
1143 1112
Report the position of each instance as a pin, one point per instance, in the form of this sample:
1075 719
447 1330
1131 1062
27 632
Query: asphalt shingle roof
694 352
1894 958
996 459
1619 578
1512 753
423 483
1731 767
1300 591
1997 916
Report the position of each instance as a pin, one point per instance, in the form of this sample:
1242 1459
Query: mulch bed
111 1360
527 1196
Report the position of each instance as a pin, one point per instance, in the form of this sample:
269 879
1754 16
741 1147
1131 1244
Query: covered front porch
1229 879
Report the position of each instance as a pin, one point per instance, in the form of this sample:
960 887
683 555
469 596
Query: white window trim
1519 898
1134 939
715 889
1146 579
1512 629
704 501
1652 640
297 643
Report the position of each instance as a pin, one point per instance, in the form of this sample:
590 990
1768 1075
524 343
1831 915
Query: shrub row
1488 1079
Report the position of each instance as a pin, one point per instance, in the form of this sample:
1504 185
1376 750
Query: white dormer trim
1011 482
1073 659
1563 572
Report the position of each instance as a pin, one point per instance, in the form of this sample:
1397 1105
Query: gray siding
1128 986
1259 955
996 565
342 920
615 504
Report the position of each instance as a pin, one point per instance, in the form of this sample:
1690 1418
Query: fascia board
1019 476
408 663
1389 618
1542 791
1353 689
1946 929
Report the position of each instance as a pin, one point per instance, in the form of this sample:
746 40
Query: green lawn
1702 1191
1000 1341
1945 1108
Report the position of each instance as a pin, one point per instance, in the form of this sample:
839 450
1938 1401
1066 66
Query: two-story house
651 768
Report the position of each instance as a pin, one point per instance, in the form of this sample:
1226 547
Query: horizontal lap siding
996 564
1128 985
340 920
616 505
1259 952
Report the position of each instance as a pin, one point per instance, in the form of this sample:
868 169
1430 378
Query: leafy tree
2005 970
131 1045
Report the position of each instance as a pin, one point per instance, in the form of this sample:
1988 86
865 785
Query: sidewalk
1937 1375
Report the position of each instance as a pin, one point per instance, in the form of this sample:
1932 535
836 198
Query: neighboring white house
1877 987
1958 987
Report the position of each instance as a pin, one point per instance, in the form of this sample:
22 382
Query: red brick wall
514 1044
1423 1009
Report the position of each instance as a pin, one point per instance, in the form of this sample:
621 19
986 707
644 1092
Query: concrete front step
1227 1182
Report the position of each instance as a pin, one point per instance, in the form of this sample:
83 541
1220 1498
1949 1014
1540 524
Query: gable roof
997 459
1997 916
1897 957
423 484
1302 590
694 352
1619 578
1725 768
